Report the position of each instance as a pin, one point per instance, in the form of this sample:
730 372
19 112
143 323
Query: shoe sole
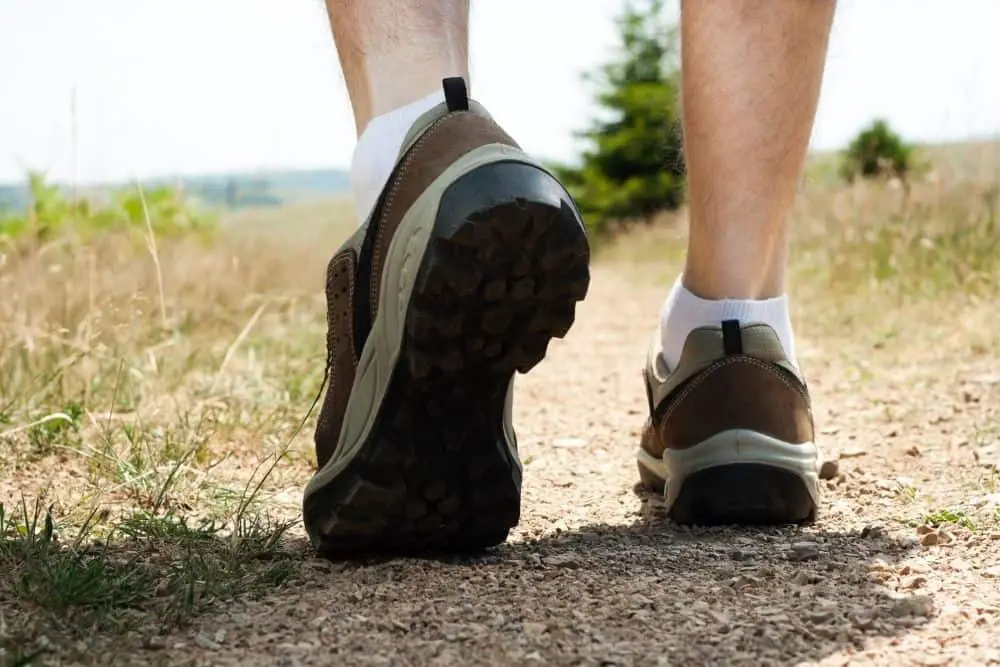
736 477
504 266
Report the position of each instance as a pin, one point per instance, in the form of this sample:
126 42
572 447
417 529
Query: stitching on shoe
348 259
390 198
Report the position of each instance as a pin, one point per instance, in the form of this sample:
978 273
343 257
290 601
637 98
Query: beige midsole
737 446
381 351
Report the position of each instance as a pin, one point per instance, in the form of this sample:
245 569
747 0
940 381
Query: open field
155 435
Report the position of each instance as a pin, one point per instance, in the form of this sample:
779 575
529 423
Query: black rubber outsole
504 268
738 494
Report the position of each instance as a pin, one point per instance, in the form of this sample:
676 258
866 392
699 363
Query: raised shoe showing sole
730 438
484 267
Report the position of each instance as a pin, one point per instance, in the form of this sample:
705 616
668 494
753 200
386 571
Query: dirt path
595 575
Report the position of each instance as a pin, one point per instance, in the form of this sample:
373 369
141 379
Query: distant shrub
51 213
877 152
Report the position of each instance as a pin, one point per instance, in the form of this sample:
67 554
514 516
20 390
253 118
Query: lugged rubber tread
740 494
505 266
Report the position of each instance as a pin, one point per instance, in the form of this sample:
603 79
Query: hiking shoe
730 434
472 260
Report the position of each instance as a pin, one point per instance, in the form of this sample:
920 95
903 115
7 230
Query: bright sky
209 85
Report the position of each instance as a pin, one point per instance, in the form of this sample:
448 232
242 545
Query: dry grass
148 433
139 436
875 247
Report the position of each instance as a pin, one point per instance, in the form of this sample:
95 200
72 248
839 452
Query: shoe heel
505 266
505 263
743 494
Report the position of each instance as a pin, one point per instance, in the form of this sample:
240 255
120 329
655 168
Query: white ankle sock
377 149
683 312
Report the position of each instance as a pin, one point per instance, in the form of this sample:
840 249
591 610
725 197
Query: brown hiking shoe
730 434
472 260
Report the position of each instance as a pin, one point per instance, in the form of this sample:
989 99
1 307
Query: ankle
717 285
734 270
684 311
378 149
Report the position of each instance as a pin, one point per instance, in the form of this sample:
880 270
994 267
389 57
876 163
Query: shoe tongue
434 114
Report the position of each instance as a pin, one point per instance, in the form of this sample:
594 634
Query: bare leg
730 437
393 52
751 78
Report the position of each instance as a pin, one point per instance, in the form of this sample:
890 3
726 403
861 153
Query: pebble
154 643
821 616
830 469
915 605
533 629
801 551
570 560
930 539
873 532
992 499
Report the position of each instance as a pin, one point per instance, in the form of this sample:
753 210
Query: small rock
913 451
873 532
821 616
915 581
744 581
923 529
930 539
992 572
739 554
852 453
915 605
206 643
886 485
945 536
916 566
570 560
533 629
992 499
830 469
863 620
801 551
804 577
162 588
154 644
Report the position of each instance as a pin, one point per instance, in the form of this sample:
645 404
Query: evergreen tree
633 167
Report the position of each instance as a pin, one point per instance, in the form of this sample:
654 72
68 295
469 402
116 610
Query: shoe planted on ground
472 260
730 436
